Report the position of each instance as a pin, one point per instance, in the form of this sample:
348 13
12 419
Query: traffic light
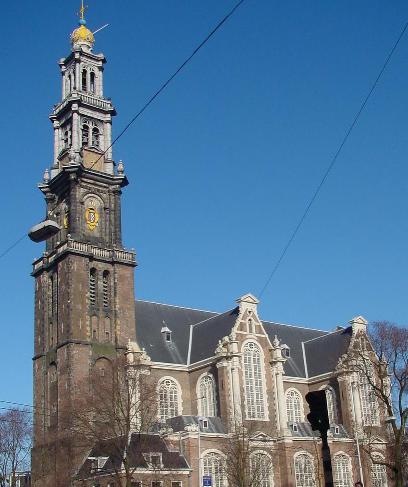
318 417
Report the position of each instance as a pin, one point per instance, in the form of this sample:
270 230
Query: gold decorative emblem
65 220
91 217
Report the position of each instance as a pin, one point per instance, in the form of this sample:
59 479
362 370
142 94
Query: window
331 405
294 406
379 473
84 80
206 392
85 135
369 404
261 470
168 336
92 82
286 351
254 382
154 460
92 287
135 483
168 399
157 483
95 137
204 423
106 289
176 483
304 471
342 471
213 464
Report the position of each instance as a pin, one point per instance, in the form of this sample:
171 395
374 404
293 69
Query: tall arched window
168 399
342 476
294 406
213 465
331 405
95 137
92 82
369 403
207 400
85 135
379 473
84 80
106 289
305 470
254 381
261 469
92 286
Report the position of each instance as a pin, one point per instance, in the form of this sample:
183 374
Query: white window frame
340 477
206 406
216 482
298 416
268 482
179 403
251 389
378 470
300 482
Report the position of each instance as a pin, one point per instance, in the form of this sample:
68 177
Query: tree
15 444
119 401
247 464
384 369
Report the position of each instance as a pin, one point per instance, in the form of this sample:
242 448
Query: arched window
261 469
84 80
106 289
92 82
342 471
294 406
207 400
213 465
85 135
95 137
369 403
168 399
305 470
254 381
92 286
379 473
331 405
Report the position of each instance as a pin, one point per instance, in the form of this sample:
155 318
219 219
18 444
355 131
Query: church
211 370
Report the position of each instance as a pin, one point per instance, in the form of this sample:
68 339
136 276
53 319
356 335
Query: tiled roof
195 335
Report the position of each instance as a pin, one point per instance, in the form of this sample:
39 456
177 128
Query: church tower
84 281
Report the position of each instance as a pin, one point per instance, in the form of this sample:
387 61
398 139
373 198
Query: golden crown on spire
82 35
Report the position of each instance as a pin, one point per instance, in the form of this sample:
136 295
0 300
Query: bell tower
84 281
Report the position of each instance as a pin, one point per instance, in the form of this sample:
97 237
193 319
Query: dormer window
154 460
97 463
285 351
166 332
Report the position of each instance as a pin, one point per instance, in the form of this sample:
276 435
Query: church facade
213 370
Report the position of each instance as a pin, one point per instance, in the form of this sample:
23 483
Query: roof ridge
212 317
296 326
176 306
327 334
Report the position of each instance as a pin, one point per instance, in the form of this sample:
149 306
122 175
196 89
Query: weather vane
81 12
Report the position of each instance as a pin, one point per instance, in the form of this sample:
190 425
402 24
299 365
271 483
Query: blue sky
222 165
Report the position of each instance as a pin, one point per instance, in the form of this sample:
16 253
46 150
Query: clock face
91 214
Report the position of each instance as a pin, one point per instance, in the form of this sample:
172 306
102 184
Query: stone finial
276 351
121 167
358 324
46 176
275 342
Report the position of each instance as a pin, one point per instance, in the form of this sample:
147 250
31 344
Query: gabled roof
292 336
149 322
139 445
323 353
195 335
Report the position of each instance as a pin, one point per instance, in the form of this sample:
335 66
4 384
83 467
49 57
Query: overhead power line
170 79
8 249
332 163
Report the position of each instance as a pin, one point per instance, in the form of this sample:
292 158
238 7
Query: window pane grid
254 385
213 465
293 407
304 471
342 471
168 400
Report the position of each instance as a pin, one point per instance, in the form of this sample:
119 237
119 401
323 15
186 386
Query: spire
82 36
